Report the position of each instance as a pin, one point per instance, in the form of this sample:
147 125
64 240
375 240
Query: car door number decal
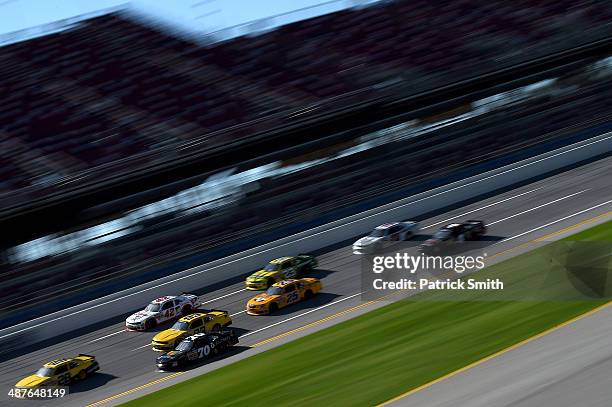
292 297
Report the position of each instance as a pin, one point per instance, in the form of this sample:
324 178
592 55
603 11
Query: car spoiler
190 294
83 355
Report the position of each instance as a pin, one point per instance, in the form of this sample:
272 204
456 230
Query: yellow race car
280 269
213 320
283 293
61 372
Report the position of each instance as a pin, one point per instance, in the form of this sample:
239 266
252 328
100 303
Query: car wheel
308 294
270 282
216 328
82 375
273 307
150 323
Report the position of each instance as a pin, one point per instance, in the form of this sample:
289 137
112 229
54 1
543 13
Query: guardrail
120 303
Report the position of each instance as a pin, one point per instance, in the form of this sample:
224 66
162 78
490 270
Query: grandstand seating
112 88
308 195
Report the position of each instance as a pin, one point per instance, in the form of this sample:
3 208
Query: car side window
61 369
167 305
196 324
289 288
73 364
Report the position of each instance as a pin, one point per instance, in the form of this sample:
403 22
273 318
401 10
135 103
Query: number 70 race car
161 310
197 347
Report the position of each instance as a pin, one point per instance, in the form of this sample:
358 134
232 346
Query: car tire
82 375
270 282
308 294
273 308
150 323
216 328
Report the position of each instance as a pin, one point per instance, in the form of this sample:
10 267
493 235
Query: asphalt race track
532 211
566 368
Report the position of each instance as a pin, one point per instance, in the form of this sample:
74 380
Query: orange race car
283 293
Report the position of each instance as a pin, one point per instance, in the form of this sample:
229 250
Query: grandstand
111 92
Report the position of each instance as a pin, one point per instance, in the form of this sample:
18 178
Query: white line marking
556 221
223 296
106 336
299 315
238 313
537 207
481 208
143 346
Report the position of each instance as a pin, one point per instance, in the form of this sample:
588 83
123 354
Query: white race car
384 233
161 310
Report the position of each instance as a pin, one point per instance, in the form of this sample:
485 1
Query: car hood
141 316
262 299
367 240
172 355
32 381
167 335
261 275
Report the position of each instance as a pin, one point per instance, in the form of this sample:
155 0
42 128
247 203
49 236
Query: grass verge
374 357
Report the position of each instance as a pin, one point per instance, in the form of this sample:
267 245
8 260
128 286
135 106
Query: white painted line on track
538 207
299 315
482 207
223 296
556 221
238 313
106 336
143 346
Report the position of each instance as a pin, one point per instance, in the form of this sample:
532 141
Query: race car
279 269
283 293
208 321
196 348
395 231
454 232
161 310
61 372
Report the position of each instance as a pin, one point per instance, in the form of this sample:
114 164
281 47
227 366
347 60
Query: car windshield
272 267
442 234
377 233
184 346
45 372
180 326
274 291
152 307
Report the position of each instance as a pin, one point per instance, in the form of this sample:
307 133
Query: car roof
387 225
196 336
191 317
283 283
57 362
280 260
163 299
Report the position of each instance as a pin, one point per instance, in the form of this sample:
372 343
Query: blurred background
138 139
